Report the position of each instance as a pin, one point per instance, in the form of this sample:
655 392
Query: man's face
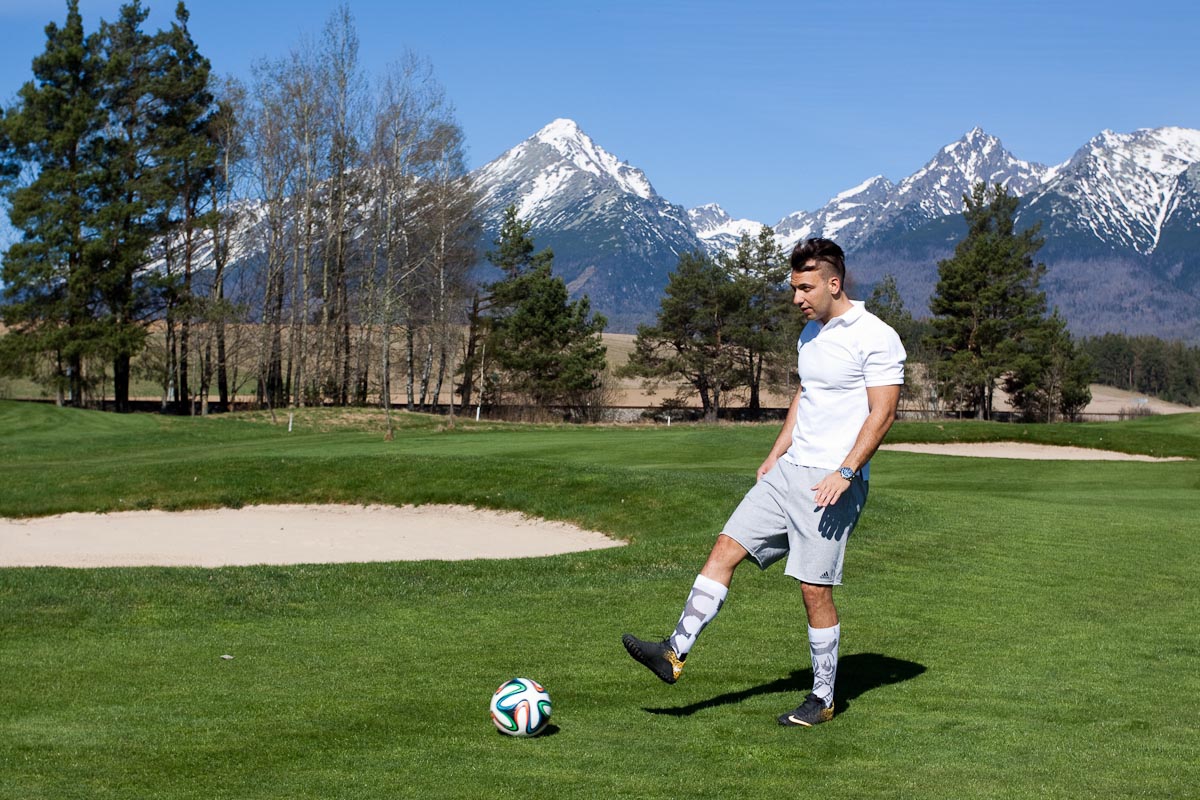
815 289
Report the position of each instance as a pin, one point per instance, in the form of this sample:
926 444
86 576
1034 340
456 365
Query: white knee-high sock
823 646
701 608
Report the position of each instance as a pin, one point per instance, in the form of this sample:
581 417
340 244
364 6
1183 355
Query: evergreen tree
110 131
1146 364
186 149
132 191
53 132
514 253
548 347
987 302
1048 379
758 269
691 338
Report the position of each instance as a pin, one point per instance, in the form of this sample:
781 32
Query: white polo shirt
837 361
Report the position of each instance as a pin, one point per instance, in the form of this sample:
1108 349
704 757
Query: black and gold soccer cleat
812 711
658 657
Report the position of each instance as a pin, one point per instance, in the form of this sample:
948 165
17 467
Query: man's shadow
857 674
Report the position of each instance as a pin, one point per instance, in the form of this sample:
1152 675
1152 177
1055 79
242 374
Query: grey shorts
779 517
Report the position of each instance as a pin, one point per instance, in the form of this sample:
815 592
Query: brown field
1107 402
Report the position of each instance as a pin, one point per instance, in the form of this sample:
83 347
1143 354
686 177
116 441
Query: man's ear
835 285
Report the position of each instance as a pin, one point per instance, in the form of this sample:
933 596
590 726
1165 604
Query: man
812 486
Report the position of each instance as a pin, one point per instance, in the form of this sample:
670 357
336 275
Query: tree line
288 237
107 151
1146 364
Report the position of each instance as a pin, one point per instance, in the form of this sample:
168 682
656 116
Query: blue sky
764 107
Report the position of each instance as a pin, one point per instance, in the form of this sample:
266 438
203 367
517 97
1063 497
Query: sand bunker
1038 452
285 535
341 534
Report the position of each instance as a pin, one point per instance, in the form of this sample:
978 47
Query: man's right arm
784 440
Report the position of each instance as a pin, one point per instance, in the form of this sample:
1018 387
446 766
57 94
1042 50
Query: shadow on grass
548 731
858 673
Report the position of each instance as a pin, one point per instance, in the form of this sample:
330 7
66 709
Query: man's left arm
882 402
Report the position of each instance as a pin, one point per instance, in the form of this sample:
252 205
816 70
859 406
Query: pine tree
53 131
987 301
1048 378
691 340
132 192
186 149
547 346
758 269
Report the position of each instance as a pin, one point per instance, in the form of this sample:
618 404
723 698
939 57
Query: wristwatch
846 473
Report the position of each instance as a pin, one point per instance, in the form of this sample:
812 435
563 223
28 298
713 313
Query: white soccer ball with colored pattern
521 707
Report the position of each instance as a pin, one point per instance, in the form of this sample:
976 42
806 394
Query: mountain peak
559 129
717 230
974 140
578 149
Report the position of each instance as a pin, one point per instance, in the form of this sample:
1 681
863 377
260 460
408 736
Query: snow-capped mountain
936 190
719 232
1121 225
1123 189
558 160
1123 201
614 238
843 218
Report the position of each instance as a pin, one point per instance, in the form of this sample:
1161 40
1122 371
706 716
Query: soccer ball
521 707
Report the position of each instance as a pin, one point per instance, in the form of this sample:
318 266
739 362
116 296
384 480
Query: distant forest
1167 370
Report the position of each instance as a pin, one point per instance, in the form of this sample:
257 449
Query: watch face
847 473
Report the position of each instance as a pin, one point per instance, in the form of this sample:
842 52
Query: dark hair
823 250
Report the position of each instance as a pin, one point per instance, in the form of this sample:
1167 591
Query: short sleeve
883 362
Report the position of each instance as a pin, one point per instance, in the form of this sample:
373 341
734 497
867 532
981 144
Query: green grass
1011 628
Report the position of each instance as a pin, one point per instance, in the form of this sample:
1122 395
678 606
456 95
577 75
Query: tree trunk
425 372
170 390
468 383
184 398
443 357
410 358
121 383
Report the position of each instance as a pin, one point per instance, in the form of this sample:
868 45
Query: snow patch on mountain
1123 188
719 232
614 238
558 161
935 190
576 147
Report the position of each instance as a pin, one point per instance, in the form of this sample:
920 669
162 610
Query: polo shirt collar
857 309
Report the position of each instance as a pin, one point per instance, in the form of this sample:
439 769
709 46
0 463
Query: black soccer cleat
812 711
658 657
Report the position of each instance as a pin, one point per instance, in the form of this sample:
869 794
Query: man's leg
708 593
824 633
665 658
723 559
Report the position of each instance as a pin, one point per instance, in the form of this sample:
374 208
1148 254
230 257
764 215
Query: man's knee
726 550
816 595
816 591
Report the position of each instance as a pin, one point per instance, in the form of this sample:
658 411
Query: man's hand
829 490
766 467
